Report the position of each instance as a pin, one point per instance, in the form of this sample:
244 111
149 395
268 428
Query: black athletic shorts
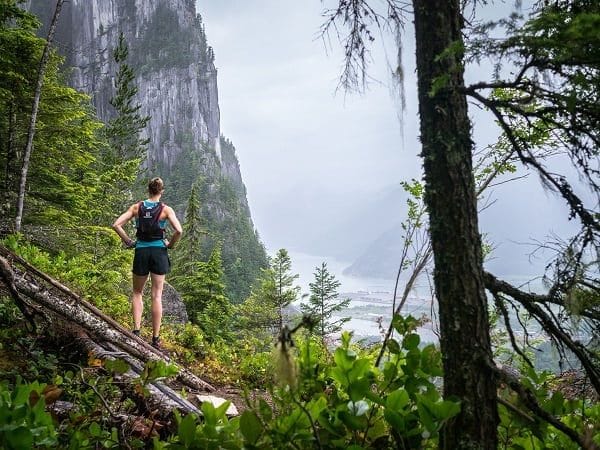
151 259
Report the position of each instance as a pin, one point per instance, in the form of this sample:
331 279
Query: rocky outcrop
173 307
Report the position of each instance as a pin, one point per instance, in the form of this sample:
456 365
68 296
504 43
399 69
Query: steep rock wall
176 76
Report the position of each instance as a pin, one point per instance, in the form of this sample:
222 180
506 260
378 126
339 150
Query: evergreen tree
215 314
124 130
203 291
323 302
262 315
61 178
34 112
126 150
285 291
257 314
223 216
189 250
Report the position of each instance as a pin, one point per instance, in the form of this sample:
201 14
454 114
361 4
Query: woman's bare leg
137 304
157 288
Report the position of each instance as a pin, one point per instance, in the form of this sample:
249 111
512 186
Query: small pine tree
285 291
189 250
125 128
203 292
262 313
323 302
215 317
256 316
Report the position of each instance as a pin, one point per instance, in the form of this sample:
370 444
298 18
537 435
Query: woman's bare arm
122 220
172 218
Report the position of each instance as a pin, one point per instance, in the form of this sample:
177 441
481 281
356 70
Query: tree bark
33 118
452 204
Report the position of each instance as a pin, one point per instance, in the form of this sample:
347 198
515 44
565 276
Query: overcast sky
303 148
296 138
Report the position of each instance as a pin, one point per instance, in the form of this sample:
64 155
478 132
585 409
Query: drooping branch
360 19
528 301
560 183
529 399
499 301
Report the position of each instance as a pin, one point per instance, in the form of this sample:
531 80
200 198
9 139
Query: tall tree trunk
452 203
34 111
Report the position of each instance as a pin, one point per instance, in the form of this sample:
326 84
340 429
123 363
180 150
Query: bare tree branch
528 301
528 397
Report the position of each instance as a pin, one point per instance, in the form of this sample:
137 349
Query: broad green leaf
250 427
411 341
315 407
19 439
344 358
358 389
395 420
397 400
117 365
393 346
187 430
446 409
359 369
95 429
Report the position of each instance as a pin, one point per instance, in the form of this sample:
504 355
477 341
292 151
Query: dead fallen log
63 302
97 335
161 397
8 278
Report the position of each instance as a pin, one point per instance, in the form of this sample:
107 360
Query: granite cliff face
176 75
177 87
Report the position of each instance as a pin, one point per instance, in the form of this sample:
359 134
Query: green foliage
344 403
156 370
203 291
61 177
101 277
262 314
191 338
90 425
520 430
285 291
215 430
323 302
165 44
255 318
189 250
24 422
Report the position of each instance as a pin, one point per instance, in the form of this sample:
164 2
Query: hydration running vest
148 228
